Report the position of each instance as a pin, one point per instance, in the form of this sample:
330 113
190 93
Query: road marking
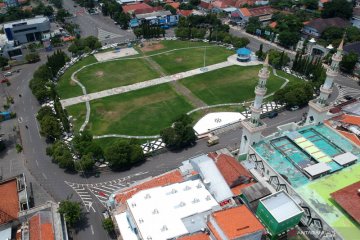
37 126
92 229
44 176
33 150
37 163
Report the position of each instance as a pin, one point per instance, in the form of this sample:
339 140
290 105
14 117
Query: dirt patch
151 46
99 74
178 60
72 83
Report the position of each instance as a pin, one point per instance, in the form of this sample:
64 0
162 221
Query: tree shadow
83 223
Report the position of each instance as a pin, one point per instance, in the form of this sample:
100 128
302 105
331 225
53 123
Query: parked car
273 114
347 97
294 108
7 74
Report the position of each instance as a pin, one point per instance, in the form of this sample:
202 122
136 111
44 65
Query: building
348 198
316 27
264 13
122 2
253 127
251 195
27 30
321 4
279 213
12 3
167 212
347 125
355 19
235 224
243 54
160 18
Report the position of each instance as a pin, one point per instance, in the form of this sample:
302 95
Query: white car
294 108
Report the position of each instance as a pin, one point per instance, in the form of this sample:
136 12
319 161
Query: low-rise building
27 30
316 27
264 13
279 213
235 223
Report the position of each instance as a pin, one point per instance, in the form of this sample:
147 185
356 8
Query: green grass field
113 74
229 85
187 59
65 87
317 193
142 112
167 45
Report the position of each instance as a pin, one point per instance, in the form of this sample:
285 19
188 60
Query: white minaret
253 127
320 106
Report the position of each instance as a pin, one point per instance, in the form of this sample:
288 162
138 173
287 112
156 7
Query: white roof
317 169
216 120
30 21
124 227
281 206
158 212
212 177
345 158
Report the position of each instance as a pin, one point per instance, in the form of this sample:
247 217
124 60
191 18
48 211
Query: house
316 27
355 20
122 2
235 223
137 8
264 13
160 18
184 13
205 5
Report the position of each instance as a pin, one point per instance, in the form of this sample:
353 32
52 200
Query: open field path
141 85
178 87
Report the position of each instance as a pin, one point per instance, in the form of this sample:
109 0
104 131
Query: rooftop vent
155 211
182 204
196 200
133 204
164 228
208 198
173 190
141 220
147 196
199 185
187 188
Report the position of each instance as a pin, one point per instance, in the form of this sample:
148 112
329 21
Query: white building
167 212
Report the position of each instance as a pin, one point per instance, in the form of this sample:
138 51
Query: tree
3 61
61 15
278 59
123 154
170 8
180 135
50 127
123 19
348 62
44 111
332 34
85 164
337 8
108 225
32 57
311 4
289 39
253 24
260 53
294 94
71 211
57 3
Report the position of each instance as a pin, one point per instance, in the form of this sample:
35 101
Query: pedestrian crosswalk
103 35
346 91
90 192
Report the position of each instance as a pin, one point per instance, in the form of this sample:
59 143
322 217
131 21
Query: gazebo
243 55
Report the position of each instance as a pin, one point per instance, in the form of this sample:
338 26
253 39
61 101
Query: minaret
253 127
320 106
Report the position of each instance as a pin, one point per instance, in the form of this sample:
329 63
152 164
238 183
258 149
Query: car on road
347 97
294 108
273 114
105 214
75 6
7 74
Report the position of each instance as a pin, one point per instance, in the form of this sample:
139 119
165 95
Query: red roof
162 180
349 198
197 236
273 24
40 229
175 5
350 119
137 7
9 201
260 11
245 12
185 13
205 5
351 136
238 189
235 222
233 172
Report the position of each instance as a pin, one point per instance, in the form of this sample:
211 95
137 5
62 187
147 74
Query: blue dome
243 51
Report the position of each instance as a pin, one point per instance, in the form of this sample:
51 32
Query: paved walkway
141 85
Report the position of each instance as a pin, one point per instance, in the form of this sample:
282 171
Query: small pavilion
243 54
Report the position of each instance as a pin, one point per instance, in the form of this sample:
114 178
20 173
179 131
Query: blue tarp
243 51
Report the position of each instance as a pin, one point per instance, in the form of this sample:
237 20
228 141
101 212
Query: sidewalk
141 85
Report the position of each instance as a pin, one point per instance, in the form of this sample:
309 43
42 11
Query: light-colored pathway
141 85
